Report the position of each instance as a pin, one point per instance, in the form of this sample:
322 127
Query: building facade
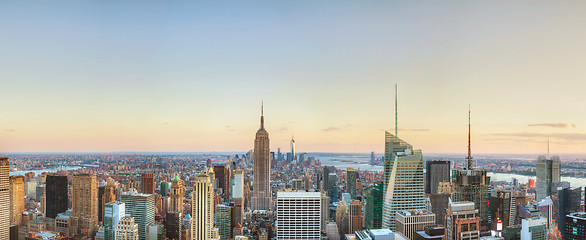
411 221
202 208
534 228
176 195
373 213
56 196
462 222
4 198
113 212
404 178
147 182
142 208
575 226
84 217
127 229
299 215
261 193
16 199
548 172
436 172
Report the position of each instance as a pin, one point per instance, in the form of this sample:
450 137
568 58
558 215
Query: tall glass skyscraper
548 172
404 186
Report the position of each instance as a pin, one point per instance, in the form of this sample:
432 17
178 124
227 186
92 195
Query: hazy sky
191 75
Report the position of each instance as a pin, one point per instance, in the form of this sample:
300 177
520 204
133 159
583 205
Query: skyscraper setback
261 194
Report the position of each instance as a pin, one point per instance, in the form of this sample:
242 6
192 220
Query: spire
469 158
262 117
396 121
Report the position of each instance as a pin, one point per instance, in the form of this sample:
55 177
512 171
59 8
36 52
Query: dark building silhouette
173 226
568 202
56 195
436 172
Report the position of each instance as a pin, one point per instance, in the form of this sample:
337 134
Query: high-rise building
56 200
84 217
147 182
173 225
404 177
325 210
261 195
351 177
222 177
333 187
436 172
440 200
16 199
176 195
236 215
4 198
127 229
164 188
113 212
471 184
503 207
142 208
222 219
237 184
298 215
534 228
462 222
355 217
372 159
293 156
412 221
575 226
569 201
106 194
202 206
373 213
548 172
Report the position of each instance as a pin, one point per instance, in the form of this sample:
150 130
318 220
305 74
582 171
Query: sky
79 76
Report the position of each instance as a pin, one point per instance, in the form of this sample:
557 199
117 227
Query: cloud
165 123
283 129
413 129
333 128
563 136
552 125
9 130
228 126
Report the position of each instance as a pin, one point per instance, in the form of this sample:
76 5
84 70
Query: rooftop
578 215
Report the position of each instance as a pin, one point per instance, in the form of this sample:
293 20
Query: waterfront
48 170
574 182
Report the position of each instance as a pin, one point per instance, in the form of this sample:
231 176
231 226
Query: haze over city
190 76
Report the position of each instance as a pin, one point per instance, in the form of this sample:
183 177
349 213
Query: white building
412 221
127 229
237 184
534 228
113 212
298 215
202 208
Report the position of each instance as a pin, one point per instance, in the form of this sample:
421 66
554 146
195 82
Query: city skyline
189 77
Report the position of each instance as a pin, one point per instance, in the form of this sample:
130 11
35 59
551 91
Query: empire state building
261 192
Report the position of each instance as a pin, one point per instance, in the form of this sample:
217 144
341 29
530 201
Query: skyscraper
16 199
576 226
548 172
412 221
462 222
569 201
173 225
405 189
261 195
84 217
113 212
351 177
222 176
472 185
298 215
293 156
222 220
4 198
127 229
142 208
56 195
106 194
176 195
147 182
355 217
202 208
436 172
237 190
374 206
